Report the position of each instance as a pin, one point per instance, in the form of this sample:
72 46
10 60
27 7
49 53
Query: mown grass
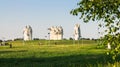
45 53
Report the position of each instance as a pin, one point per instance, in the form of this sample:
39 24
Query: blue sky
41 14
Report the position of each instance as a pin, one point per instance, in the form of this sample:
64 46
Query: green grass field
45 53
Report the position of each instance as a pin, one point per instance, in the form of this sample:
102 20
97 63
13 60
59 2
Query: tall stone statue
56 33
77 33
60 33
27 33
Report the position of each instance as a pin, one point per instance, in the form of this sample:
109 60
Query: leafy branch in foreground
107 11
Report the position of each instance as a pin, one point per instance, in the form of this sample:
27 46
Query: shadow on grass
2 52
61 61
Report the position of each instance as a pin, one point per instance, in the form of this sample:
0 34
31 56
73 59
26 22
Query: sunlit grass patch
65 54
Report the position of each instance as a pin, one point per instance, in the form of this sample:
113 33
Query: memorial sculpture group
77 33
56 33
27 32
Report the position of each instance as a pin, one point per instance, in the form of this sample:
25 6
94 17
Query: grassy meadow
48 53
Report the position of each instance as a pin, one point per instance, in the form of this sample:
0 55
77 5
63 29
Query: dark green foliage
98 9
107 11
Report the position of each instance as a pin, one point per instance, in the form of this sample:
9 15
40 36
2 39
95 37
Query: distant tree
107 11
0 41
64 39
9 40
85 38
36 39
70 38
16 39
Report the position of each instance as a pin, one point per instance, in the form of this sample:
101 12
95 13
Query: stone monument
77 33
56 33
27 33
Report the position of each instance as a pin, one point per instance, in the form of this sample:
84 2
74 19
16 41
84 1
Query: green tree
107 11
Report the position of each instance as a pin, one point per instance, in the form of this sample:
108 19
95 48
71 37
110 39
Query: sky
40 15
